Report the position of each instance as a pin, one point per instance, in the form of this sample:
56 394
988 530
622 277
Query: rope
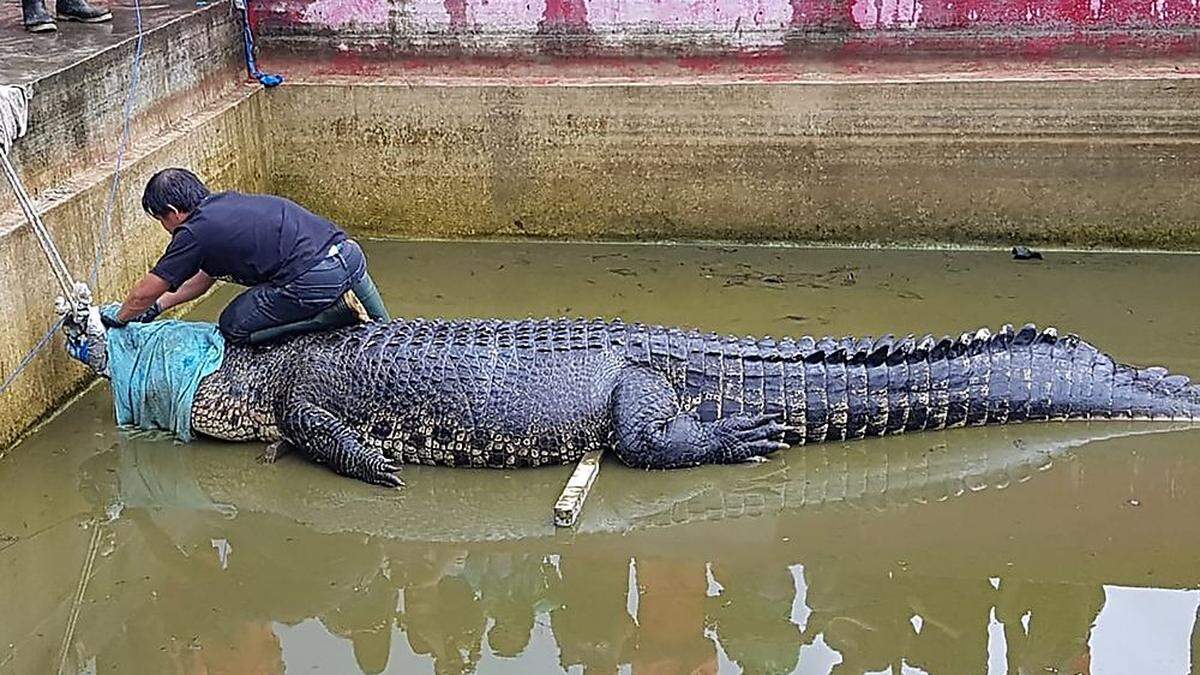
77 604
134 77
31 355
265 79
57 266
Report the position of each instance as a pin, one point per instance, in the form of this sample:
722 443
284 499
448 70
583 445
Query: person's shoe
36 18
80 10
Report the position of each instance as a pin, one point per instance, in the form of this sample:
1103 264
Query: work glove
108 316
149 314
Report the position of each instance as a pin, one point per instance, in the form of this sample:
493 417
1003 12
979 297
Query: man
38 20
298 265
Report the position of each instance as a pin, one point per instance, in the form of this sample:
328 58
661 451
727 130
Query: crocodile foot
274 451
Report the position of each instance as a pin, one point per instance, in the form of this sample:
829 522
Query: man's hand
148 315
108 316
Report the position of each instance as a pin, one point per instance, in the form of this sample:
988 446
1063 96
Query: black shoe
80 10
37 19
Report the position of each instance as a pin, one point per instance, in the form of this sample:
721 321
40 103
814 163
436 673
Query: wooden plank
570 502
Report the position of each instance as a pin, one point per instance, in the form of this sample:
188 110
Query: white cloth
14 114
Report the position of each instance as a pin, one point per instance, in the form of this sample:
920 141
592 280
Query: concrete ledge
1075 161
191 58
186 111
222 142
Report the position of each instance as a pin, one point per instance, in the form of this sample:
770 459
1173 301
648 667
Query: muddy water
1037 548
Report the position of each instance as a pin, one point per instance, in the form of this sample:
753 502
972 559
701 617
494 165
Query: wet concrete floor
1057 548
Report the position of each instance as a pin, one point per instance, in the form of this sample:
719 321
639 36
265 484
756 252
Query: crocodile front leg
318 434
652 432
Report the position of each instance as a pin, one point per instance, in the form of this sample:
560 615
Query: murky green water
1038 548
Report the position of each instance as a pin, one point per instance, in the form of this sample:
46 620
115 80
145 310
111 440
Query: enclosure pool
1057 547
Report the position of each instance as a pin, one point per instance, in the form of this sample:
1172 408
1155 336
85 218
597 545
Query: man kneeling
303 271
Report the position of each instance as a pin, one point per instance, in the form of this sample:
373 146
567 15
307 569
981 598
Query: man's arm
143 294
189 290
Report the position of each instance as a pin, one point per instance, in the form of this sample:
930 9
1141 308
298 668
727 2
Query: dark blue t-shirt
248 239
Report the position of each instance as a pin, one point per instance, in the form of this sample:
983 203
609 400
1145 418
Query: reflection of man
863 617
513 588
753 615
589 619
671 619
193 600
1060 623
442 617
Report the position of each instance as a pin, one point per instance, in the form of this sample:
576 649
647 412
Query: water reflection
185 584
1030 549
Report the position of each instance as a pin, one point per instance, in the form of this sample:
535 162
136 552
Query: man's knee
233 327
242 317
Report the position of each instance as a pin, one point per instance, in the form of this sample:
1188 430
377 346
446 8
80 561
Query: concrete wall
76 112
192 108
508 26
1087 162
222 143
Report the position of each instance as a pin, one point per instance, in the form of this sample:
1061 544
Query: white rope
77 602
14 114
18 104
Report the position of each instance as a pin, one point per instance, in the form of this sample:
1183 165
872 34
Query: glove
108 316
148 314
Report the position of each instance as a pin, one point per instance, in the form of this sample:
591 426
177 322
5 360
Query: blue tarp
155 369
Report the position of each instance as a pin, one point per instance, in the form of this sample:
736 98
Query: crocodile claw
749 436
380 470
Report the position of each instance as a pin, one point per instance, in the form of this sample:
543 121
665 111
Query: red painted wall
734 25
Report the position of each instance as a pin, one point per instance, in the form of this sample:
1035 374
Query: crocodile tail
1072 379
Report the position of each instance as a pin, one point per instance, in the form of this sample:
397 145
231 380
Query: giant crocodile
492 393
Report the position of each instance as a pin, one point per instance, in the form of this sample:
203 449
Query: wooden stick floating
570 502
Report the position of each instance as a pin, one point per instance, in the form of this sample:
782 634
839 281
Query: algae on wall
1067 162
223 144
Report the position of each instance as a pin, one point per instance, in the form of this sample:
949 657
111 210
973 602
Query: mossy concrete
223 143
1063 161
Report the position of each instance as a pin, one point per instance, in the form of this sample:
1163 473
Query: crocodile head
87 338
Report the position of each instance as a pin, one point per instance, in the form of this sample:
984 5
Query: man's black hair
173 187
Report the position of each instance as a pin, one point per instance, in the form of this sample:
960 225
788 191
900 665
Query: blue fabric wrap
155 369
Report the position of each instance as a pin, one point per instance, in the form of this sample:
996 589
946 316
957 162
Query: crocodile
367 398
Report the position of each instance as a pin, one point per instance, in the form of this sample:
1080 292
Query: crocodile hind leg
318 434
652 432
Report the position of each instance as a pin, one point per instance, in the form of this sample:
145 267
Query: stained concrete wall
1087 162
683 26
192 108
223 143
190 59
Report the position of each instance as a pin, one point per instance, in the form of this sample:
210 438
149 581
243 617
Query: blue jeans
266 305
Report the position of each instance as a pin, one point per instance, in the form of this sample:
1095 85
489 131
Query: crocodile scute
508 394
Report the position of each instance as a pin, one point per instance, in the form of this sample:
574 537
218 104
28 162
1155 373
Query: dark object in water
1025 253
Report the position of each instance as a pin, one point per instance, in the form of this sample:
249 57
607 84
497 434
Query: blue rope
135 77
265 79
